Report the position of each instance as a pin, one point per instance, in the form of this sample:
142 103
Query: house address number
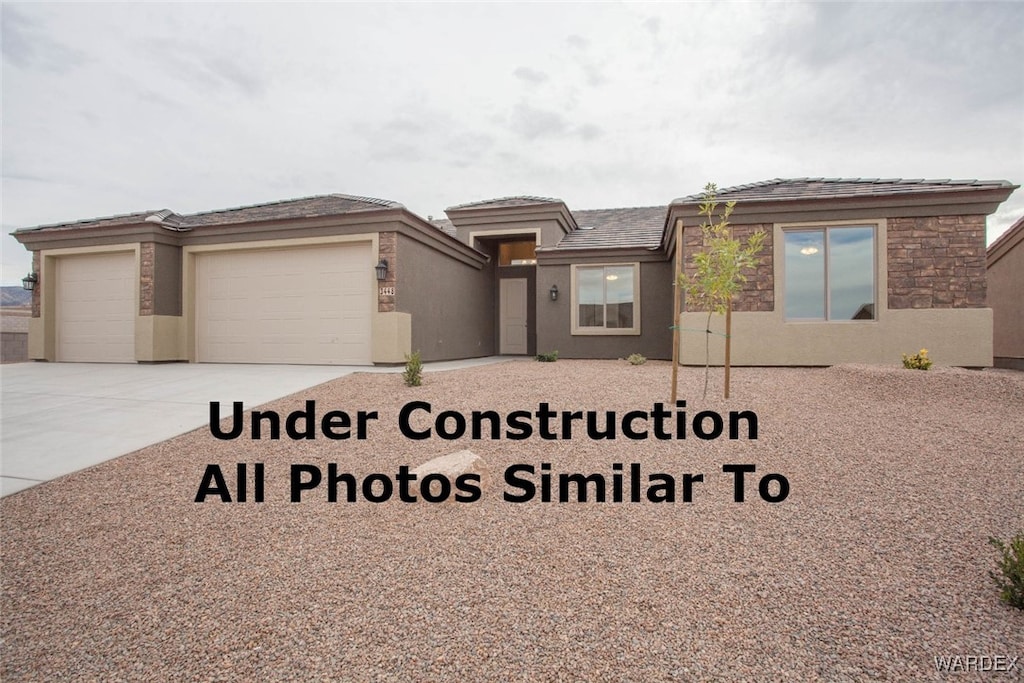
387 291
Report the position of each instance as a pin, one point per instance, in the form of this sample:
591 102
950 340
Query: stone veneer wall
936 262
758 292
387 249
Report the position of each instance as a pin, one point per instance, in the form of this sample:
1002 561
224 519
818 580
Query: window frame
577 329
877 233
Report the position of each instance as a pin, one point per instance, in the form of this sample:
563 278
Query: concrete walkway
58 418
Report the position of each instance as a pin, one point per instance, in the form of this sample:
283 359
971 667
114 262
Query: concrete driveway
58 418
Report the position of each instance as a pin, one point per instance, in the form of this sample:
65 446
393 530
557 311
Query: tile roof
106 221
639 227
781 189
506 202
444 225
303 207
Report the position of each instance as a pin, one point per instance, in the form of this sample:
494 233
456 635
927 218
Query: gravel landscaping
874 565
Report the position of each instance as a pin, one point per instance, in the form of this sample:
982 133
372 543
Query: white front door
512 316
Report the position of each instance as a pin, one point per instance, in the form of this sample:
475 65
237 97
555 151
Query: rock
453 465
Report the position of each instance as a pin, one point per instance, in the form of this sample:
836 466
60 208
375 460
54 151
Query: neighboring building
294 281
14 334
1005 261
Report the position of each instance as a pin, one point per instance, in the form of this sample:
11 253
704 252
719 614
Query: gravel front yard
874 565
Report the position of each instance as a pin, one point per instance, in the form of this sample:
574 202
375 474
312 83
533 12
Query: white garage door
308 305
96 308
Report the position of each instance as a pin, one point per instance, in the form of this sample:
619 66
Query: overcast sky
115 108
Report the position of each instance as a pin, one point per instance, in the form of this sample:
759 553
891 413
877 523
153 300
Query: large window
605 299
830 273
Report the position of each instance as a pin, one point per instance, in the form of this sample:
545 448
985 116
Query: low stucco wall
953 336
159 338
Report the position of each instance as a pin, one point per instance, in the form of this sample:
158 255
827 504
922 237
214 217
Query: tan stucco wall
1006 297
159 338
392 337
953 336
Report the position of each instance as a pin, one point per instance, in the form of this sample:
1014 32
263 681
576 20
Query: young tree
719 275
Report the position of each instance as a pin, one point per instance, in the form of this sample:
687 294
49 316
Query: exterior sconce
382 270
29 282
553 292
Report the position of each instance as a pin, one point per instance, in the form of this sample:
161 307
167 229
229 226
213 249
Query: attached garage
96 307
304 305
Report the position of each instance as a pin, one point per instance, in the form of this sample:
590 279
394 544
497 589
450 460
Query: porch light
809 251
29 281
611 276
553 292
382 270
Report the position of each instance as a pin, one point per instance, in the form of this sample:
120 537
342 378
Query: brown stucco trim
565 257
953 203
491 216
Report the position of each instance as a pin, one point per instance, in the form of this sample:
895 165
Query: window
605 299
830 273
521 253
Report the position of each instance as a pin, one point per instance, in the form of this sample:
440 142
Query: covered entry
306 305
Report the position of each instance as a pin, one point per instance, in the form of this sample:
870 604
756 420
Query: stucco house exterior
854 270
1005 262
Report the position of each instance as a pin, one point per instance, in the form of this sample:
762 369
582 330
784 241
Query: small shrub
919 361
1011 565
636 359
548 357
413 374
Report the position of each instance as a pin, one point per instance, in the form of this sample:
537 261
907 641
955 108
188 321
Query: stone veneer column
387 249
146 276
36 305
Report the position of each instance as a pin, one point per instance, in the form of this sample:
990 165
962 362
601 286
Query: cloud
24 43
578 42
652 24
533 123
529 75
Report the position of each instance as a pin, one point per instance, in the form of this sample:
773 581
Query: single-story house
1005 261
854 270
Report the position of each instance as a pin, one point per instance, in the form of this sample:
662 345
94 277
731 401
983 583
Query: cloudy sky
114 108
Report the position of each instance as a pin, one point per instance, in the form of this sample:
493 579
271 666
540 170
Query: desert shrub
636 359
1010 579
413 374
919 361
548 357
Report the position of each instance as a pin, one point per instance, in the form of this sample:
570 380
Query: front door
512 316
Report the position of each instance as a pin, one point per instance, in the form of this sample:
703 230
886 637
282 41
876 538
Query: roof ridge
924 182
129 214
370 200
528 197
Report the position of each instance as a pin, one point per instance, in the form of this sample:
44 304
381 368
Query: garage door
303 305
96 308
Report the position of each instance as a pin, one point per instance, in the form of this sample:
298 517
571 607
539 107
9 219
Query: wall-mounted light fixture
553 292
29 281
382 270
